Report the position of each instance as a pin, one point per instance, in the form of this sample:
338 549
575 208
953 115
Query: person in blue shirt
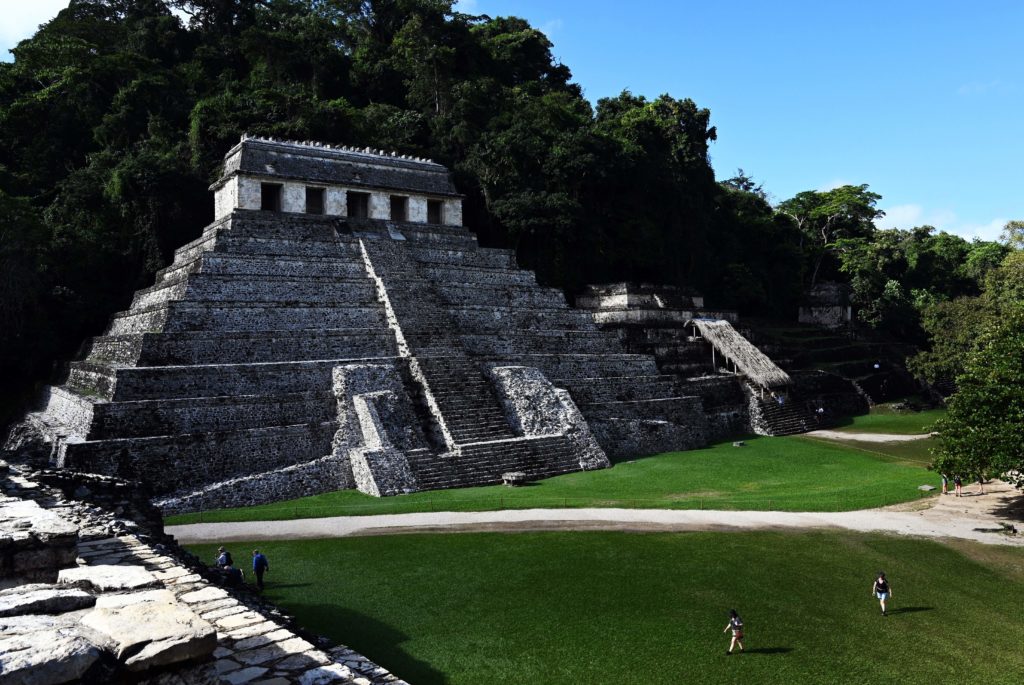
260 565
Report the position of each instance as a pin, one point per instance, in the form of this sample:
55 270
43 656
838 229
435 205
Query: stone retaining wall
120 602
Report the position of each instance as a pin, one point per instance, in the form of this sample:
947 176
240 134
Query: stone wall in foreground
88 594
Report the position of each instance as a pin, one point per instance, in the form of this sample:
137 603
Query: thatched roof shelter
750 361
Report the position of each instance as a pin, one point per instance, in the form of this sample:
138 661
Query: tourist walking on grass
260 565
881 590
735 624
958 484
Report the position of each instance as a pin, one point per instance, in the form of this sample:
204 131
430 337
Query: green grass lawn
787 473
884 420
622 608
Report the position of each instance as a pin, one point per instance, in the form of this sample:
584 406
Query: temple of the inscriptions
336 326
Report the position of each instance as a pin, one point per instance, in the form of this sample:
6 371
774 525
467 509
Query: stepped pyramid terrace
337 327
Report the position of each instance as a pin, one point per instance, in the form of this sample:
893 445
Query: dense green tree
756 252
953 327
1013 234
825 217
981 435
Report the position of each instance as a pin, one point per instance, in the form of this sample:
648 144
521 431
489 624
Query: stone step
222 263
510 343
214 380
679 410
484 463
459 294
587 365
495 277
234 347
618 389
182 461
482 318
246 316
256 223
475 257
201 287
203 415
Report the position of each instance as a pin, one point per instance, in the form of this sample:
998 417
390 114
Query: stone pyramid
335 327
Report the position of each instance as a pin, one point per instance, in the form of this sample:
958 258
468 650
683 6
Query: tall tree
824 217
981 435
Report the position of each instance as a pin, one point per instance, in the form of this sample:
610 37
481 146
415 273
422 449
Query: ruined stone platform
109 598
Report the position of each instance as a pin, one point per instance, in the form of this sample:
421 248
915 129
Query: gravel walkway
866 437
973 517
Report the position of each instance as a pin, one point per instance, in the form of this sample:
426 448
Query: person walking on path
945 484
736 625
881 590
260 565
958 484
981 484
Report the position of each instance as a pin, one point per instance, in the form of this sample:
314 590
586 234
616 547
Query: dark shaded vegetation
114 117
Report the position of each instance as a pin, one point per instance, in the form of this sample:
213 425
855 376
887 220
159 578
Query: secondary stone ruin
739 386
337 327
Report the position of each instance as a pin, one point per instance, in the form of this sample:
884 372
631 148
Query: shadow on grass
378 641
768 650
909 610
271 585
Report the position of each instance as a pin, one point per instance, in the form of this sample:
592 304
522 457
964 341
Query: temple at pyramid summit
336 326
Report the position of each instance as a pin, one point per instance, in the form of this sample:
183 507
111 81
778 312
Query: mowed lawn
885 420
620 608
785 473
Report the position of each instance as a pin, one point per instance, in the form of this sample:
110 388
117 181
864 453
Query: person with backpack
736 625
881 590
224 558
260 565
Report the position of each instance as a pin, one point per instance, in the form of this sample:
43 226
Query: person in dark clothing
881 590
260 565
234 575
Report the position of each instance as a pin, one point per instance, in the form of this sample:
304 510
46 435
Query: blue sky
922 100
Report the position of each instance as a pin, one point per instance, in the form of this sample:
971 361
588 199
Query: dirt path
866 437
973 517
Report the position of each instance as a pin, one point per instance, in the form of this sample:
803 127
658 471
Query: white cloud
833 184
21 19
989 231
550 28
912 215
982 87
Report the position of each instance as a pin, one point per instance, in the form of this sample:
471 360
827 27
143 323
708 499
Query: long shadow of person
909 610
373 639
768 650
